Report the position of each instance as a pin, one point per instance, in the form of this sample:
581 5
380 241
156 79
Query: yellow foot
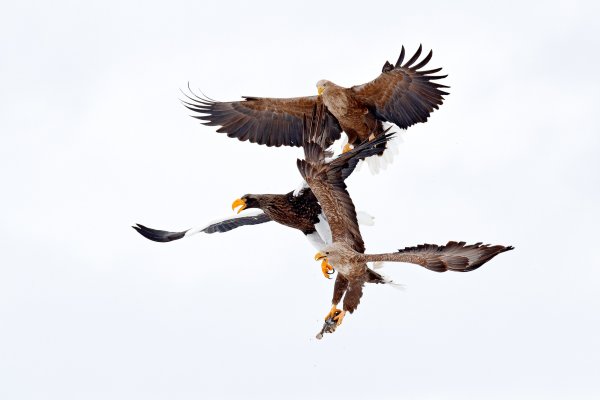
333 312
336 314
371 136
338 319
326 269
347 148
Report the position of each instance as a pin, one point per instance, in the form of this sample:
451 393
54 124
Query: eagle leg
347 147
326 269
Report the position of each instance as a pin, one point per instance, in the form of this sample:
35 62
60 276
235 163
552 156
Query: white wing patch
248 213
316 240
323 229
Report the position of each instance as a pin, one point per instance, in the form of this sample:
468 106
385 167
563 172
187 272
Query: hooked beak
320 256
320 90
238 203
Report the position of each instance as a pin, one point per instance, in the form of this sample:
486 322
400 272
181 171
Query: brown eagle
297 209
403 94
346 252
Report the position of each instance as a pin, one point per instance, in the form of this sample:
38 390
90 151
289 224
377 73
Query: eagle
298 210
346 252
403 94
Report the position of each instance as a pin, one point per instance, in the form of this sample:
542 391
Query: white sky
94 139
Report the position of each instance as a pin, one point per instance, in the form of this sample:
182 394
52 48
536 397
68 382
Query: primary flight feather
403 94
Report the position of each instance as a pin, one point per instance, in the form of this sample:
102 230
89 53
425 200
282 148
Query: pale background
94 139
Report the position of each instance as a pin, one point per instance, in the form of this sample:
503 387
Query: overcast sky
94 139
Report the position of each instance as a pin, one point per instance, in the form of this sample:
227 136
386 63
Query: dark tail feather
157 235
374 277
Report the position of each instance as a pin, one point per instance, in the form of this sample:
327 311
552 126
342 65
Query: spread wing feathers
221 226
268 121
454 256
348 161
327 183
403 93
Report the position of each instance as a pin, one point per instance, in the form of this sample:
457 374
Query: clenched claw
326 269
339 317
333 312
332 320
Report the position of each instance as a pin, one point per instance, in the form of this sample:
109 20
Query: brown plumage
346 253
402 94
299 211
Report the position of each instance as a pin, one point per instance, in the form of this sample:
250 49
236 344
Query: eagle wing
220 226
268 121
403 94
454 256
326 179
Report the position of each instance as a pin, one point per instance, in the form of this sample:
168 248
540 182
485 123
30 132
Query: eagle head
322 86
246 201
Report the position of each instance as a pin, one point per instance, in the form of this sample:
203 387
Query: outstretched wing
268 121
326 179
454 256
221 226
403 94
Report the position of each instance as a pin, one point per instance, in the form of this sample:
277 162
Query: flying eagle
346 252
402 94
300 211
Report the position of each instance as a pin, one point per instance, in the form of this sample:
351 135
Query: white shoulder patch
300 188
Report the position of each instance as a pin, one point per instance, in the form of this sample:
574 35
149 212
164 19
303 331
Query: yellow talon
338 319
347 148
332 312
326 269
371 136
336 314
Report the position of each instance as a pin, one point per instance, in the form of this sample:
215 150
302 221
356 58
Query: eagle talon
339 317
326 269
347 148
333 313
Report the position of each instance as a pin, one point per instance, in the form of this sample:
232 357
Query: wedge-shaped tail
454 256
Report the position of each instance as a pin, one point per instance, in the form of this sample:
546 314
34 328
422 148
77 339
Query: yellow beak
320 256
238 203
320 90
